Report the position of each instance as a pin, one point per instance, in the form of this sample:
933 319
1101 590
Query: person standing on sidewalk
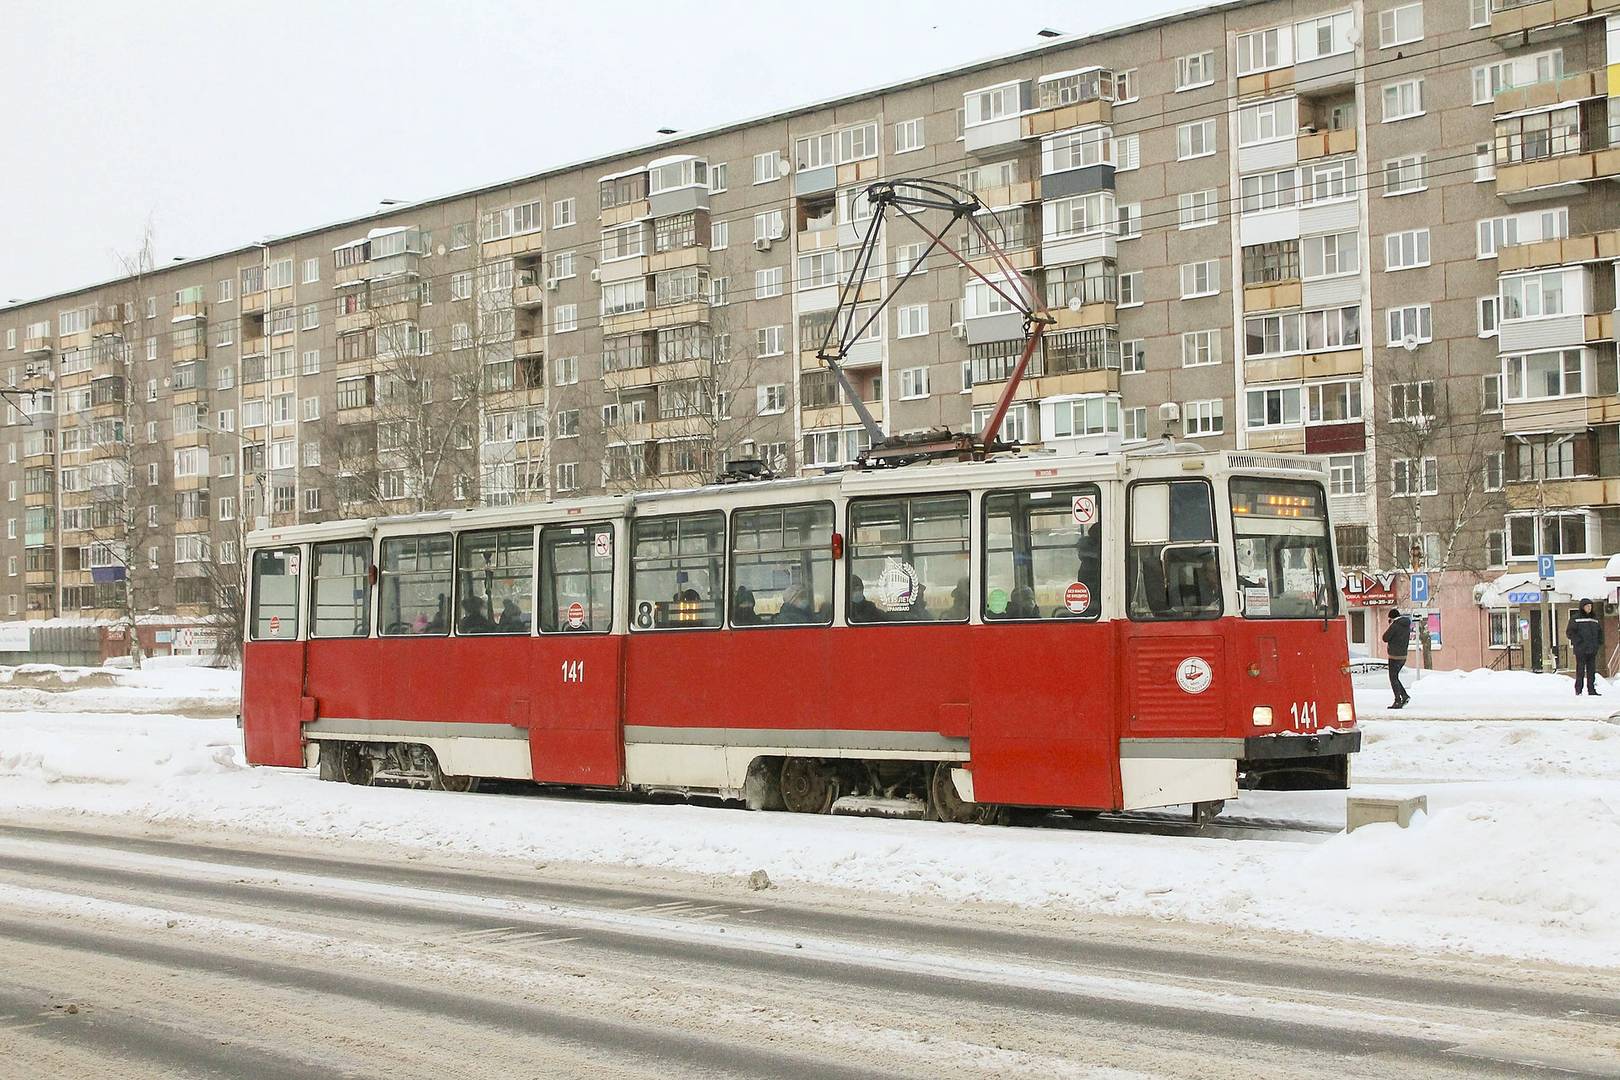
1585 637
1397 640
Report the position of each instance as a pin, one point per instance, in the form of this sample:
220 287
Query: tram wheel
439 780
808 786
354 766
944 804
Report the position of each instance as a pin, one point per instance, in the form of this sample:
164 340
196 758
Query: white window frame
1195 70
1390 30
1406 250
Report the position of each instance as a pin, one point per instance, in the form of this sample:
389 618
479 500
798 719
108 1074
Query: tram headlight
1347 714
1262 716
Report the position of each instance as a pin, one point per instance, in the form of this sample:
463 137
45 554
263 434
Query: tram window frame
258 597
1214 544
546 609
818 554
383 574
1326 598
852 554
458 570
315 553
650 615
1020 497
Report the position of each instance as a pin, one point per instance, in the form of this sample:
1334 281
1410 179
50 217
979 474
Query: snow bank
1520 868
186 689
1486 694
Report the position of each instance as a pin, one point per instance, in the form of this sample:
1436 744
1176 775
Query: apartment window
913 383
1127 153
1562 533
771 225
566 370
1539 375
770 399
1327 35
1330 255
1274 406
1402 176
1134 424
1479 13
1403 100
1412 476
768 341
1271 335
565 318
719 291
1487 316
624 296
767 167
913 320
1412 324
1333 402
1267 191
1130 289
1495 470
908 136
1195 140
312 455
1125 87
1132 357
719 235
1262 50
1490 393
226 291
1406 250
908 259
1204 417
719 175
1267 264
1495 233
311 317
312 271
767 283
1496 549
312 408
1347 475
1078 215
1333 328
151 348
1195 71
1269 121
1327 181
1533 296
1411 401
1200 279
562 213
277 275
567 424
1398 26
1200 347
1196 209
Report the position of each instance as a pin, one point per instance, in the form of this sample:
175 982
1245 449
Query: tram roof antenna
907 198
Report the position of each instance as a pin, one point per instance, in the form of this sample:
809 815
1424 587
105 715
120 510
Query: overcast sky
222 124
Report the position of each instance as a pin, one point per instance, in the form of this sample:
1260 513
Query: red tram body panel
628 653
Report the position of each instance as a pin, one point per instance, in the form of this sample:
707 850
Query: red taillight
837 545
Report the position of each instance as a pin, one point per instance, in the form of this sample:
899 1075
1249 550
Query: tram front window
1284 559
1173 569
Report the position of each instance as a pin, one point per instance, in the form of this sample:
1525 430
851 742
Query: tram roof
1156 460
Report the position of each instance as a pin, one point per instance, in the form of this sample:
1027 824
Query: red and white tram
1107 632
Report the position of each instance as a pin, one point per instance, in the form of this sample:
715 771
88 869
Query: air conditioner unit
1170 412
596 275
959 331
762 244
551 284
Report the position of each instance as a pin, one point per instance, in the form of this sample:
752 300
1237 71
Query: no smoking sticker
275 625
602 545
1077 598
576 615
1084 509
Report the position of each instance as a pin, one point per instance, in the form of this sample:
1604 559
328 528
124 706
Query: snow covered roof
674 159
637 171
389 231
1612 569
1569 586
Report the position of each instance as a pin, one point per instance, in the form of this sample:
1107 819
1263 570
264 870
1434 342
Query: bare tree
226 611
1439 457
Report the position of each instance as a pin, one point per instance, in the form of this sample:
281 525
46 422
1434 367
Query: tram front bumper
1290 762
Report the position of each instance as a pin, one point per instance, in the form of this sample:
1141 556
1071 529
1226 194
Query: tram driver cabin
1107 632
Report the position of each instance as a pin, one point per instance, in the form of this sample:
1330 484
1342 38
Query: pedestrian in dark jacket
1585 637
1397 640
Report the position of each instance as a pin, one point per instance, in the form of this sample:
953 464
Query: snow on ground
1486 694
1519 855
158 687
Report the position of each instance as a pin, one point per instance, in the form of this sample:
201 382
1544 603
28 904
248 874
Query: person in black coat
1397 640
1585 637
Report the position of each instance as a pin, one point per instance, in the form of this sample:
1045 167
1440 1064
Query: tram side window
909 559
341 604
678 570
1173 569
576 579
1043 554
275 595
494 581
782 566
416 585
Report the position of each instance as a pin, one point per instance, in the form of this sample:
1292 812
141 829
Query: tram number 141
573 671
1303 714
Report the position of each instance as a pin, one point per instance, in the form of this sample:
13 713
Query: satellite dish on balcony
1410 342
1075 303
1352 37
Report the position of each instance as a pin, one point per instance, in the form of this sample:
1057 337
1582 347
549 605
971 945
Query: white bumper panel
1148 782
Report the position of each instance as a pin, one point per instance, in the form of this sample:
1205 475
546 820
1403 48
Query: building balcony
39 577
1087 316
838 416
1581 86
1599 327
514 246
184 354
1318 144
192 525
1303 366
635 322
1063 117
255 346
1515 22
630 211
1272 297
528 296
532 345
37 345
1282 440
652 374
1562 494
820 239
1576 413
251 302
1018 194
106 326
1266 83
1570 251
352 323
677 259
1555 176
189 312
39 498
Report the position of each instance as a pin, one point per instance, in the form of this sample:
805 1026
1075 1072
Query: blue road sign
1420 588
1546 568
1525 596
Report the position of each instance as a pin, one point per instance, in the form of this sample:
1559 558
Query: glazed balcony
1525 21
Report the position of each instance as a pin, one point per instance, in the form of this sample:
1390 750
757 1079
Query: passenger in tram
436 625
1022 605
742 608
860 608
795 605
512 616
959 602
473 619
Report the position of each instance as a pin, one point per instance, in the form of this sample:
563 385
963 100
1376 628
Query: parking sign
1546 567
1420 588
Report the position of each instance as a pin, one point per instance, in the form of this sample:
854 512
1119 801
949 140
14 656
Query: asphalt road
141 957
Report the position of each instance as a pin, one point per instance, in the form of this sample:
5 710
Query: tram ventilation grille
1299 463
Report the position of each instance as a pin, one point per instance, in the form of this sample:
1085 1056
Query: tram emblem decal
1194 675
897 586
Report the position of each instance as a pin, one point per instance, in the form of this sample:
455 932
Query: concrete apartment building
1383 231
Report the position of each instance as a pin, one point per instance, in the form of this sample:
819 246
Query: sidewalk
1484 694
